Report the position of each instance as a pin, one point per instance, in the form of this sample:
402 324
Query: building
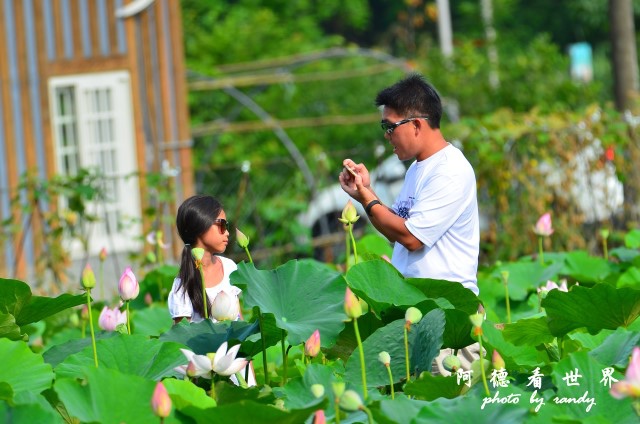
88 84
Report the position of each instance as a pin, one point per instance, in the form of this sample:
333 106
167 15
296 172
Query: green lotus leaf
108 396
58 353
151 321
184 393
25 372
130 354
515 356
595 308
616 348
425 340
585 268
9 329
303 295
530 331
247 411
590 382
206 336
455 295
400 410
526 276
27 413
382 286
431 387
39 307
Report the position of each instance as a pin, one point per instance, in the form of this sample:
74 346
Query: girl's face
216 238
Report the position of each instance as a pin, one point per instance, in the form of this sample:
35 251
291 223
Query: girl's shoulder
228 264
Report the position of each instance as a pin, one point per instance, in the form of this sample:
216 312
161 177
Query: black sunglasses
389 127
223 224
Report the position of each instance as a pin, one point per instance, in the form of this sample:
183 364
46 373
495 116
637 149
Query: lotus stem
264 349
347 253
284 360
406 353
353 242
336 404
482 371
128 318
241 380
362 367
93 336
246 249
391 381
368 412
204 294
540 250
605 249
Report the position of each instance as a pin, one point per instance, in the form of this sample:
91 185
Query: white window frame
97 114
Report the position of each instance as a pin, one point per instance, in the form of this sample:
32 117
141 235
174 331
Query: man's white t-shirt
438 201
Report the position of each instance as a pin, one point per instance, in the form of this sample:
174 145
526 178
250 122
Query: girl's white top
180 304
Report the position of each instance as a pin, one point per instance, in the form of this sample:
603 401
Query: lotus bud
497 361
197 253
160 401
88 277
241 239
338 388
385 358
128 286
476 320
352 307
319 417
103 254
148 300
412 316
317 390
349 214
604 233
543 226
312 345
350 401
451 363
225 307
74 320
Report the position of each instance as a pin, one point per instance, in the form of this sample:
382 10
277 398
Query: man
434 221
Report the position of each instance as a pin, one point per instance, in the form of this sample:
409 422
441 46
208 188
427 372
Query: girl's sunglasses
223 224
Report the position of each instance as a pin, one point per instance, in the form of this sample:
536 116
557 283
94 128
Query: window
92 124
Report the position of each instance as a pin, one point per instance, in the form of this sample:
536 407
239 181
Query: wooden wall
40 39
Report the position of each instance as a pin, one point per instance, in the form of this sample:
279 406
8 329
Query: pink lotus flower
160 401
553 286
630 386
225 307
110 318
128 286
543 226
312 345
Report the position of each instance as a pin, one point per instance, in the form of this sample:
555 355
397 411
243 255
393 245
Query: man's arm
357 185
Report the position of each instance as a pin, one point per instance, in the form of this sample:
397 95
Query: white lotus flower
225 307
223 362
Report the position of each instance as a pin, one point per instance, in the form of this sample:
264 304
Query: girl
201 222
